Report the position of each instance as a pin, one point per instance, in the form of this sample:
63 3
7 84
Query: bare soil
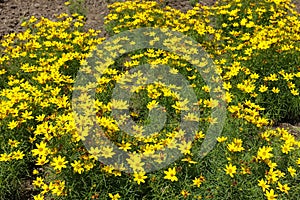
14 12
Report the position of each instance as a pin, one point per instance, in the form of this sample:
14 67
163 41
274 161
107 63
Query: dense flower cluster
38 67
255 48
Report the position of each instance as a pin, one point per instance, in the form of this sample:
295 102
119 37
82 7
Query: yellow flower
246 170
27 115
230 169
271 164
95 152
199 135
198 181
152 104
227 85
270 195
263 88
135 162
185 147
286 148
41 150
35 172
59 187
263 184
292 171
42 160
235 146
264 153
243 22
77 166
298 161
38 197
89 166
139 177
114 197
107 152
221 139
13 143
125 146
273 176
184 193
12 124
295 92
288 76
189 160
59 162
2 71
40 118
206 88
47 188
171 174
38 182
5 157
283 188
275 90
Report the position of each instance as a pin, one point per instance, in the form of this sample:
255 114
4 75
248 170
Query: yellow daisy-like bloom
41 150
264 153
286 148
198 181
184 193
58 163
292 171
77 166
263 184
42 160
114 197
230 169
13 143
139 177
298 161
107 152
171 174
275 90
18 155
235 146
38 197
295 92
263 88
38 182
283 188
270 195
221 139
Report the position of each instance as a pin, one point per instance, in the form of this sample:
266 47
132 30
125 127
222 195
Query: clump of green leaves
77 6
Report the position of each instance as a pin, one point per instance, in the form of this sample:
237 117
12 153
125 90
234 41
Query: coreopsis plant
37 71
261 41
41 143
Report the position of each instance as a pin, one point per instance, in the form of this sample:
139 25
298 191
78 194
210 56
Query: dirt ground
13 12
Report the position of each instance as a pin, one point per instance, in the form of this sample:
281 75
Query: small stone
36 5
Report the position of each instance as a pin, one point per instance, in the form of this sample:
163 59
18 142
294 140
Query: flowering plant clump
45 111
37 71
255 44
261 39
